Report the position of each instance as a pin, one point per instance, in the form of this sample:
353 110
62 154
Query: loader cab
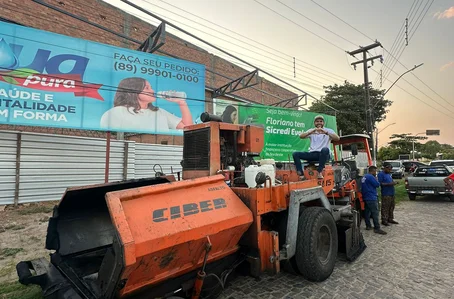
354 152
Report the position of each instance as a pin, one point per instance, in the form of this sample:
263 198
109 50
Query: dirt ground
22 238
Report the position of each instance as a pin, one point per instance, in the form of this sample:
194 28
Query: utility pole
369 118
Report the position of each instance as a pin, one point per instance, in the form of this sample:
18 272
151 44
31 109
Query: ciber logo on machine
43 73
188 209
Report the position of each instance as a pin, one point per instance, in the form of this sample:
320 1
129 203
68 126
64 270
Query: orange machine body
164 228
262 201
249 139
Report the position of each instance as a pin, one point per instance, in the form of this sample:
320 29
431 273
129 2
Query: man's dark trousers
371 208
321 157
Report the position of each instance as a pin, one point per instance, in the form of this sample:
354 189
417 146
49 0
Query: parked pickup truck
429 180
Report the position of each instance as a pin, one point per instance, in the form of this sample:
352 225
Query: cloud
448 65
449 13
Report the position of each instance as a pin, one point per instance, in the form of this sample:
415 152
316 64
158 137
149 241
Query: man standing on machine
319 149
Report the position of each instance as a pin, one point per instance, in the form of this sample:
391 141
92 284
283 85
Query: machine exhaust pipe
206 117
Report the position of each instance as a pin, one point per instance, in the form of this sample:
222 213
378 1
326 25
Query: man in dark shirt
369 185
387 195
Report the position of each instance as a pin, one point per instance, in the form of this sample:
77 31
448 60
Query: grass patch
5 252
401 192
34 209
15 290
7 269
14 227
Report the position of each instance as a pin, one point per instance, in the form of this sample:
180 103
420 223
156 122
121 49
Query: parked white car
398 170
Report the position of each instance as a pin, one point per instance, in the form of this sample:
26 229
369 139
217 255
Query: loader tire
317 243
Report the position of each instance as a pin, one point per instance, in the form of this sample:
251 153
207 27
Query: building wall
38 16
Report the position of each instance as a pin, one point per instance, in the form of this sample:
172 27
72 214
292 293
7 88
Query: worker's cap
319 117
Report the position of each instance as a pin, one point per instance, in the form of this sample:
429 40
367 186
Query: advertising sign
282 128
226 109
52 80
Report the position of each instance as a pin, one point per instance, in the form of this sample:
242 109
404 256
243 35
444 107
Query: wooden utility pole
369 116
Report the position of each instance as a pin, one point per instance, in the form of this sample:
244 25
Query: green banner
282 129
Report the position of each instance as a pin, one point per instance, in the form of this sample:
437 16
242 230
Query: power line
263 62
243 41
334 45
248 49
395 43
418 18
342 20
421 19
133 42
396 85
422 101
307 18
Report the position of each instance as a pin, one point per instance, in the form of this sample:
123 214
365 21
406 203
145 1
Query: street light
413 142
376 141
410 70
371 111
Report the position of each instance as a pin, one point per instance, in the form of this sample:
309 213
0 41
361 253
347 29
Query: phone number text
132 68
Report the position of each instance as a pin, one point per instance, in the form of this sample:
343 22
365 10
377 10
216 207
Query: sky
271 33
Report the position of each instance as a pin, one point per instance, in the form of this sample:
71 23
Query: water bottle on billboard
172 94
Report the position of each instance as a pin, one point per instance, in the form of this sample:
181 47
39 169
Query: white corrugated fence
39 167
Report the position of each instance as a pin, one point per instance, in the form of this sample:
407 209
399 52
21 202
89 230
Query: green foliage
387 153
349 100
404 143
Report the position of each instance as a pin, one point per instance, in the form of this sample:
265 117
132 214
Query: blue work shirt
369 185
386 178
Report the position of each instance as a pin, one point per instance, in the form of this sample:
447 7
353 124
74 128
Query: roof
351 138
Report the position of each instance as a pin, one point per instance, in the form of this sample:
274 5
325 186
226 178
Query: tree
348 99
430 149
387 153
404 143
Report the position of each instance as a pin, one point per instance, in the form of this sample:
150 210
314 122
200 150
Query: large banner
52 80
226 109
282 128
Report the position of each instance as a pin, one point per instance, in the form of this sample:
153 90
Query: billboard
226 109
52 80
282 128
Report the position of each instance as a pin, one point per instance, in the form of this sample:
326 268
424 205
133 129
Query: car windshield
441 163
394 164
432 172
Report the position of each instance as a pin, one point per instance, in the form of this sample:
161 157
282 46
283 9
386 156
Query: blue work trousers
320 157
371 208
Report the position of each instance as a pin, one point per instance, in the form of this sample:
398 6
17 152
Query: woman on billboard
134 110
230 115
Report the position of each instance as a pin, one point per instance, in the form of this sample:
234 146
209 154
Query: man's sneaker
393 222
301 178
368 227
379 231
320 176
385 223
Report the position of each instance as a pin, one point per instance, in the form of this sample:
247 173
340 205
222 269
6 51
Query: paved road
415 260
